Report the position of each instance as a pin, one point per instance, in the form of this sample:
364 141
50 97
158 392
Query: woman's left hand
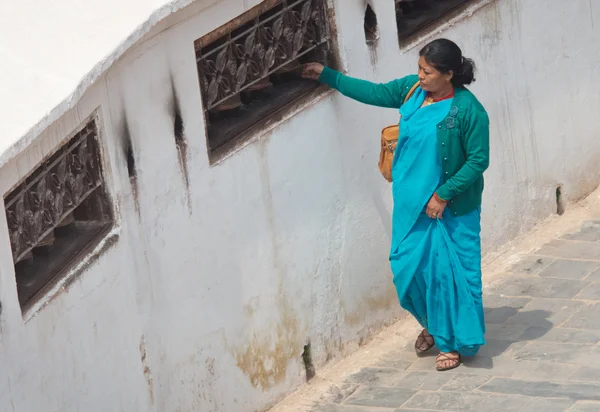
435 208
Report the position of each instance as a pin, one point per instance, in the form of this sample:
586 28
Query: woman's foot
447 361
424 342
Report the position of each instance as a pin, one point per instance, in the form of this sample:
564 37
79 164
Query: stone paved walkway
543 351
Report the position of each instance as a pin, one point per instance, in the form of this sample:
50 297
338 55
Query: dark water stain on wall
180 142
128 154
146 368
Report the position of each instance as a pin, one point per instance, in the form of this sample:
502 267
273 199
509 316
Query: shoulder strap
411 91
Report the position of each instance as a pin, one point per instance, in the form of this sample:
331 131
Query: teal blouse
463 136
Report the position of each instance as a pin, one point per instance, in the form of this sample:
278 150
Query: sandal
453 357
424 343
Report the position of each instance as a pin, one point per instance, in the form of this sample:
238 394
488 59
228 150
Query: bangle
439 199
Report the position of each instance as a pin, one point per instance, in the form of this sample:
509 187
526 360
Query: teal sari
436 263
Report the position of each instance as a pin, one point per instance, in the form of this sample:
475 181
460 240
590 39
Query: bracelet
439 199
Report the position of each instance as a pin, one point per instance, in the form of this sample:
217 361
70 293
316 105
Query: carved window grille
414 15
57 213
249 69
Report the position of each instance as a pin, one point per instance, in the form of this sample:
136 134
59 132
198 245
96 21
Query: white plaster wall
208 295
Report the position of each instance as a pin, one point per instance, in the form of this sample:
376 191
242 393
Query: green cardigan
463 136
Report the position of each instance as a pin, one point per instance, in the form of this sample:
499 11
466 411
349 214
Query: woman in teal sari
442 152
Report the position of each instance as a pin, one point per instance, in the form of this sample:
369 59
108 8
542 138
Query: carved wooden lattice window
249 68
414 15
57 213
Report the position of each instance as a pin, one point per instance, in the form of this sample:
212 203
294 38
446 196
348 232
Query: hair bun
466 74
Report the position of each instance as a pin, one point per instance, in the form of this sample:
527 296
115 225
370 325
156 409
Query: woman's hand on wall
312 70
435 208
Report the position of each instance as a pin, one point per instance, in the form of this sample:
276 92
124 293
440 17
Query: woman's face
432 80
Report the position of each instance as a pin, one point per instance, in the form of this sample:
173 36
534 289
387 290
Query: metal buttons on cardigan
450 123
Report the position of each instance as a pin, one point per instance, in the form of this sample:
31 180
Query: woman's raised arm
390 94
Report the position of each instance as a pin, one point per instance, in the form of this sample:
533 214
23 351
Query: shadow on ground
505 339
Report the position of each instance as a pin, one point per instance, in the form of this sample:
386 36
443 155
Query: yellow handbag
389 140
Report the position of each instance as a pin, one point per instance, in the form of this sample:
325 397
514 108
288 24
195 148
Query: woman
442 152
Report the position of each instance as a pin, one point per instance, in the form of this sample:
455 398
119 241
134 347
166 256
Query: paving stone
539 287
586 374
465 402
377 376
478 365
337 393
561 335
497 348
578 391
587 318
548 405
504 332
546 313
530 265
589 232
594 276
347 408
578 354
499 315
569 269
568 249
483 365
402 355
492 301
411 410
426 363
396 364
498 309
538 370
381 397
430 381
592 292
586 407
465 383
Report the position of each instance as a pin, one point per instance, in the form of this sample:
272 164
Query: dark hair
446 56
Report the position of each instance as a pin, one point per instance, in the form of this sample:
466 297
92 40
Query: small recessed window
249 69
371 26
57 214
414 15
